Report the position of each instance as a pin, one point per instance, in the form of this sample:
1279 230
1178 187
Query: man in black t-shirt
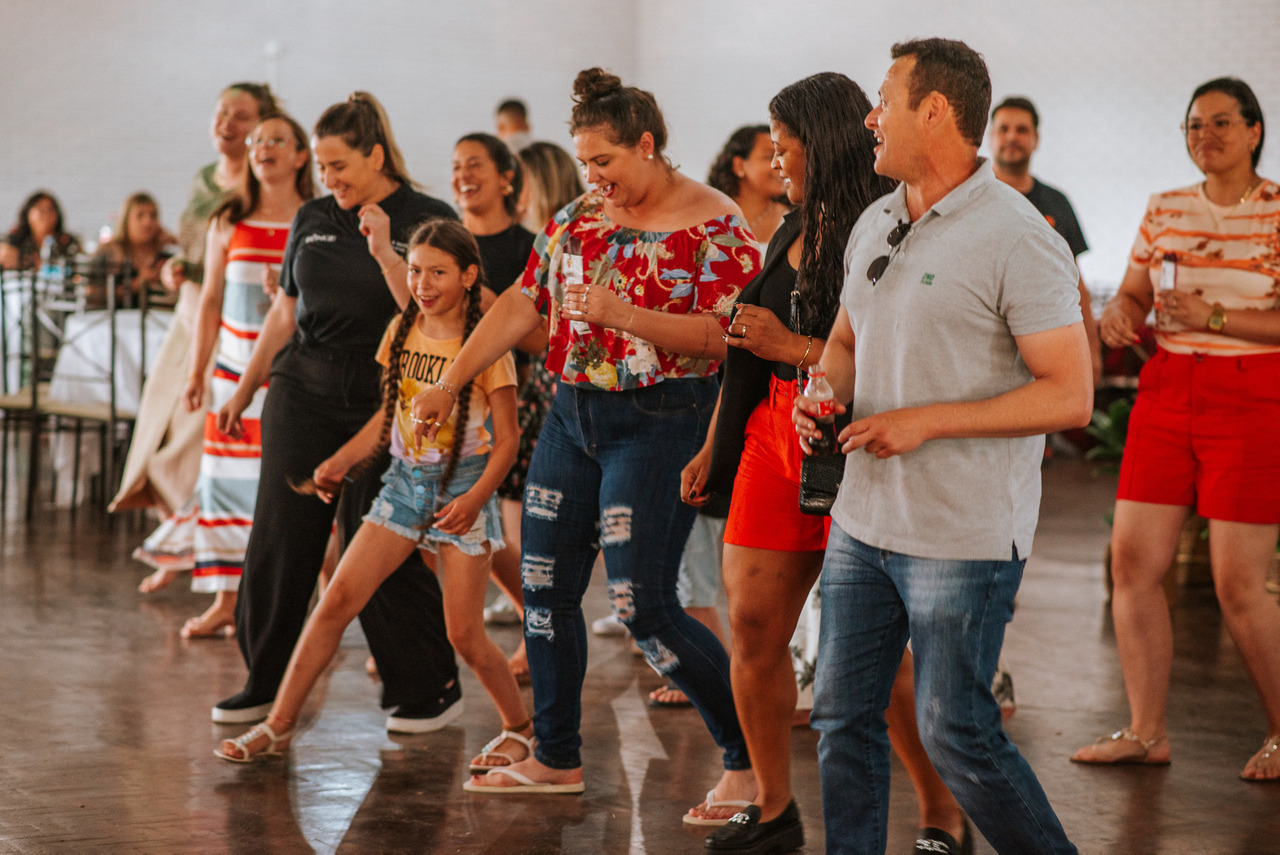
1015 133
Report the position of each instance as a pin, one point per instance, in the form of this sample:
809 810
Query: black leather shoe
938 842
745 834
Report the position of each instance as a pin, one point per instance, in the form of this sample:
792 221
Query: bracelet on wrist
446 386
385 270
808 346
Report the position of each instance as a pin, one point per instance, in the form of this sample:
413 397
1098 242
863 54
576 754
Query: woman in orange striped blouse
1205 429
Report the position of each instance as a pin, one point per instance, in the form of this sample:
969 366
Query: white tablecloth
80 374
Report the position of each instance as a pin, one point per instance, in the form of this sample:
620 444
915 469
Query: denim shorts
407 503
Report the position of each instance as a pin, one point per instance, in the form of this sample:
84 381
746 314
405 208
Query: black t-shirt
505 256
343 300
1058 211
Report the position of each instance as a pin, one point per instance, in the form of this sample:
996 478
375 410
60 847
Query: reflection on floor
107 740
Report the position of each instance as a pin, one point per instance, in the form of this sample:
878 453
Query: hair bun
593 83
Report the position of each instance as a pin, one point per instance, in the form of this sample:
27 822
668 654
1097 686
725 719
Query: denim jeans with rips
955 614
605 477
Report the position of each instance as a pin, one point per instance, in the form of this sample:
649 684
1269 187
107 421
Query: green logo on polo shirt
926 279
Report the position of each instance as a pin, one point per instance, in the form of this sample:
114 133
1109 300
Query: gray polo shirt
980 267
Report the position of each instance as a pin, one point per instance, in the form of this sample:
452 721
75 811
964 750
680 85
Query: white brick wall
98 99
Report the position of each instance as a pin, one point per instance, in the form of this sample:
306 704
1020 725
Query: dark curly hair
740 143
825 113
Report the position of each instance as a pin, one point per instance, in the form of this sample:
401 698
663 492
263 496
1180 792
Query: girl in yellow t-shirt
437 496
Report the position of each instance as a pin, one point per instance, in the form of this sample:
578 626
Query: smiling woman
633 282
341 281
1206 257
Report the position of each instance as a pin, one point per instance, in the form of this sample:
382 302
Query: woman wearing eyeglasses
1203 432
773 552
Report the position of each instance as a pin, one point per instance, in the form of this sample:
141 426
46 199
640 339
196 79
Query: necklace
1204 185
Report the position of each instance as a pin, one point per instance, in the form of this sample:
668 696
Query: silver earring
648 157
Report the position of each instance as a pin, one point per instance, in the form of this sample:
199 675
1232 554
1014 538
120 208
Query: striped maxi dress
210 533
228 486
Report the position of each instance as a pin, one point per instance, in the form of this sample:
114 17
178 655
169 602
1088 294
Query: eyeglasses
881 264
273 142
1218 124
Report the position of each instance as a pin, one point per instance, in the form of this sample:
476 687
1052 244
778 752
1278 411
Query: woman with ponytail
633 281
342 279
438 497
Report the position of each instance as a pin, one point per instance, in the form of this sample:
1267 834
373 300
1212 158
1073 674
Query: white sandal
276 744
488 751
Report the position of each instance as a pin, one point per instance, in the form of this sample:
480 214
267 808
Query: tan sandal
488 751
1140 755
276 744
1266 762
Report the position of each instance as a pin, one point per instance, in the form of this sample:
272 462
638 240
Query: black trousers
316 401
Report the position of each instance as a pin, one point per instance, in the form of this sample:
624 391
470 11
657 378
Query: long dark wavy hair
825 113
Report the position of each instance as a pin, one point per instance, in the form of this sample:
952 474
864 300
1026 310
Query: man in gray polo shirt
959 310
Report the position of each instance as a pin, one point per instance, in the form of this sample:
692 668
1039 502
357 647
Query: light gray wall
99 99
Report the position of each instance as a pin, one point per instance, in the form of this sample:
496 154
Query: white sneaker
611 625
502 612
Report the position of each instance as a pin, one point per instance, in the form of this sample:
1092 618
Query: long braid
463 404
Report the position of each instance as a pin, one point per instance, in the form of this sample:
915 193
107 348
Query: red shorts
1205 432
764 512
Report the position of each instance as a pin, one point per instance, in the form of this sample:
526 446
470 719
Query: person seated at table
139 240
39 218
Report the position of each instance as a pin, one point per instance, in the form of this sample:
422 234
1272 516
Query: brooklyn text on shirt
423 367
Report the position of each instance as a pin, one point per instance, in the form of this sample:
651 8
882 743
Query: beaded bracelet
447 387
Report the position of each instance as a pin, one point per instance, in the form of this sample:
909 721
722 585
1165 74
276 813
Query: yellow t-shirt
422 362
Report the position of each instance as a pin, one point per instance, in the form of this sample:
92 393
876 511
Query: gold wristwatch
1218 319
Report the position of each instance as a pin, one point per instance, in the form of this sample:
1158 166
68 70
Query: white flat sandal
276 744
488 750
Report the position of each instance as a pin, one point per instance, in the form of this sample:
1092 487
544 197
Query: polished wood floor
104 722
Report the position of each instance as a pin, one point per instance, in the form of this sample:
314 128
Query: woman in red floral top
635 280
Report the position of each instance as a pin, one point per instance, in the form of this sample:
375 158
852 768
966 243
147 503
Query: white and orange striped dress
1225 254
229 468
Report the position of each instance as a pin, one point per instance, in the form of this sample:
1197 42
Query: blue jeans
954 613
605 476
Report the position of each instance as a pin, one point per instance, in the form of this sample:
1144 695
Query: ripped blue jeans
605 476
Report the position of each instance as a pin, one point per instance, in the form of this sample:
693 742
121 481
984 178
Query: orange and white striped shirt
1225 254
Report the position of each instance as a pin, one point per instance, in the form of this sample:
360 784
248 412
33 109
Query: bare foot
157 580
530 768
371 668
216 622
734 786
504 752
668 696
1125 747
1265 765
518 665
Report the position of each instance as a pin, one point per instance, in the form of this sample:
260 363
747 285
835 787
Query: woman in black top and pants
341 281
